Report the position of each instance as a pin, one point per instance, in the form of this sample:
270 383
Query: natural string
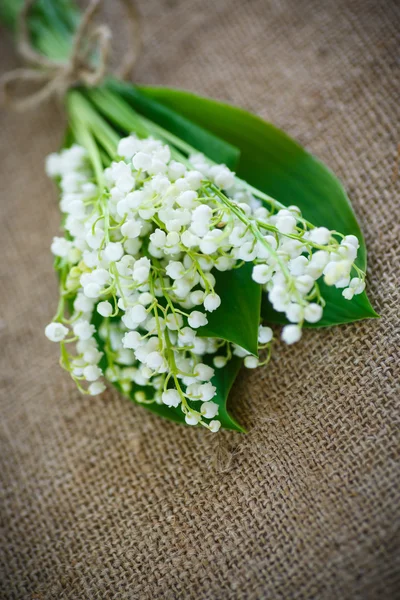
56 77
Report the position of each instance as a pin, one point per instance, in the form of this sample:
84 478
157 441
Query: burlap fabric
101 500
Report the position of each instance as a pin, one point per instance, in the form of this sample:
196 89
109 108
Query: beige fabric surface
102 500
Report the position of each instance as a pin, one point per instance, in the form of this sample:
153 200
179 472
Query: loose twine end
46 78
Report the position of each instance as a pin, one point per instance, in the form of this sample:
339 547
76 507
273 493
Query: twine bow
50 78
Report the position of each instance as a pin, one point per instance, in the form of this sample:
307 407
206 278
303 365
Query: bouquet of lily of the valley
189 228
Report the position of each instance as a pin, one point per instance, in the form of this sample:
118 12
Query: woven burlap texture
102 500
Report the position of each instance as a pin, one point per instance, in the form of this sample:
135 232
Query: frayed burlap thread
100 500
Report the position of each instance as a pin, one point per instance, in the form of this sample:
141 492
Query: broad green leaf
223 380
274 163
173 414
198 137
238 317
336 312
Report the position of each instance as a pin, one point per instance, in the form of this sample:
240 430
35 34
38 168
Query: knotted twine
51 78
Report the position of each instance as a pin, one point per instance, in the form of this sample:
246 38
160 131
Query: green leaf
238 317
198 137
173 414
336 312
223 380
274 163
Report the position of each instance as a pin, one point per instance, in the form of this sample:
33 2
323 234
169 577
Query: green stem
236 210
82 113
124 116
